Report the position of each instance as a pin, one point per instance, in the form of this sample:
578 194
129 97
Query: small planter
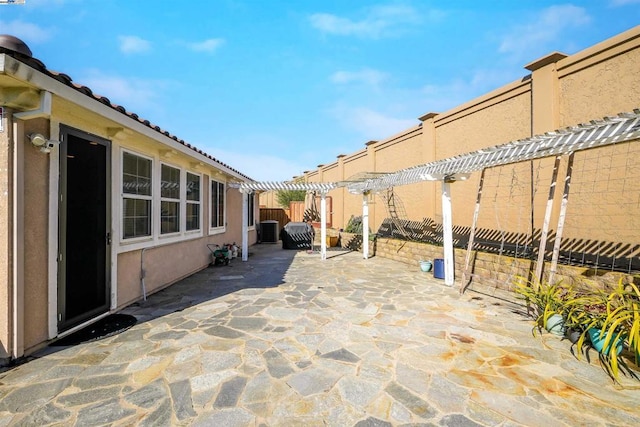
572 334
598 339
426 266
555 325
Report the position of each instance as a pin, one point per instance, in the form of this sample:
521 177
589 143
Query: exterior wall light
39 141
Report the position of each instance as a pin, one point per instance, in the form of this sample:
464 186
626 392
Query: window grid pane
250 206
170 217
136 218
193 216
220 204
214 204
136 175
193 187
170 182
217 204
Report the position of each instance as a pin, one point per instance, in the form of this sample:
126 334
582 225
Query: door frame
59 223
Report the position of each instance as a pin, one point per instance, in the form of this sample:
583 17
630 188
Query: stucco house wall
37 100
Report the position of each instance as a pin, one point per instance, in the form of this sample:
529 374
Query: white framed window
169 199
251 206
193 202
217 209
136 195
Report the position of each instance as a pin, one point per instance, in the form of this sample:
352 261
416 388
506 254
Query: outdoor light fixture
39 141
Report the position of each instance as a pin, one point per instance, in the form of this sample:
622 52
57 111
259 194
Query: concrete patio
286 339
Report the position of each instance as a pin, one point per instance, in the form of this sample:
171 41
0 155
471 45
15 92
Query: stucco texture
5 235
601 89
36 258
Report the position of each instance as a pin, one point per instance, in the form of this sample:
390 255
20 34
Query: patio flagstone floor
286 339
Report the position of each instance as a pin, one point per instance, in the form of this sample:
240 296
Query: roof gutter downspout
143 273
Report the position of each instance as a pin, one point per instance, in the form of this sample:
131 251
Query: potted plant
610 321
425 265
547 302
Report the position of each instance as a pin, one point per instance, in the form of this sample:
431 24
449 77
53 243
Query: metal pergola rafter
597 133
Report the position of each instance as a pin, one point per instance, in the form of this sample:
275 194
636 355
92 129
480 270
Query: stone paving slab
287 339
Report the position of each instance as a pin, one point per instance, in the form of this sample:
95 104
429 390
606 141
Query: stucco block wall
399 152
502 116
603 211
604 203
490 270
352 204
600 81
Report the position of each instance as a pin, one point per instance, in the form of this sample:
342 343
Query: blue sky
273 88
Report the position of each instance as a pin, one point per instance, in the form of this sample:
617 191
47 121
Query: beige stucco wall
167 258
184 258
601 81
399 152
352 204
6 149
36 226
501 116
611 176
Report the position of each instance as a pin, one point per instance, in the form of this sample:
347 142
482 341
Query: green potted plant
609 321
547 302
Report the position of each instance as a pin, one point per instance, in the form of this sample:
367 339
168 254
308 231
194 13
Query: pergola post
447 233
561 219
466 275
365 225
245 225
323 225
544 235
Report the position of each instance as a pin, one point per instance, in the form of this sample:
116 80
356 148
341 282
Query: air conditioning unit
269 231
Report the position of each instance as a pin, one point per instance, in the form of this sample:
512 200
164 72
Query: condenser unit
269 231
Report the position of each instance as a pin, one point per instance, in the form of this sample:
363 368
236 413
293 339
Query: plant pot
425 266
597 341
572 334
555 324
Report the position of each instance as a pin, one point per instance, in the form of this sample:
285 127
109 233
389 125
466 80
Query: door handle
108 238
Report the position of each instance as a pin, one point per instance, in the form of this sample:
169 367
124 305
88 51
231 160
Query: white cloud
26 31
365 76
261 167
372 125
379 21
209 45
45 3
546 28
624 2
134 94
133 44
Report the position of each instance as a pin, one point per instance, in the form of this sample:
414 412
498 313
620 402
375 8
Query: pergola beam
597 133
